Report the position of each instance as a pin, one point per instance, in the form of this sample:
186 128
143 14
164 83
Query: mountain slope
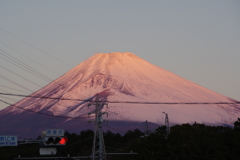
122 77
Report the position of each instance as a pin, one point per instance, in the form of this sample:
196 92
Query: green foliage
185 142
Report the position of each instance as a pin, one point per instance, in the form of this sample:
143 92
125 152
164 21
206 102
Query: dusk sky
197 40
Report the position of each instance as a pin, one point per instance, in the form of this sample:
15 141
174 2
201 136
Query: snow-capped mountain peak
124 77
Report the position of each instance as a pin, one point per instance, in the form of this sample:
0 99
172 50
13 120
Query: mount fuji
121 79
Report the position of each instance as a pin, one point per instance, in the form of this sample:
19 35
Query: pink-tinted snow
126 77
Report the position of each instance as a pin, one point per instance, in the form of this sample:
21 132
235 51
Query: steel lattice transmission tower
167 123
98 150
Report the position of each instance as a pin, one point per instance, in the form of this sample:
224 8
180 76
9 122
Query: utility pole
167 123
98 150
146 129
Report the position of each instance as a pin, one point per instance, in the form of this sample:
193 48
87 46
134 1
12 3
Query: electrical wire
91 100
131 102
24 66
31 59
42 113
36 48
12 89
17 84
23 120
27 68
20 76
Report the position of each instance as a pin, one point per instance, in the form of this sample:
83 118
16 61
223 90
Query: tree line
185 142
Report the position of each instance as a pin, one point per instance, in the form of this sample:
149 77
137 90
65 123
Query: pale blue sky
197 40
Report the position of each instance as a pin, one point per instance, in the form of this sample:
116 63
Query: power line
12 88
26 67
29 68
10 99
40 112
17 84
20 76
131 102
30 59
36 48
20 65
